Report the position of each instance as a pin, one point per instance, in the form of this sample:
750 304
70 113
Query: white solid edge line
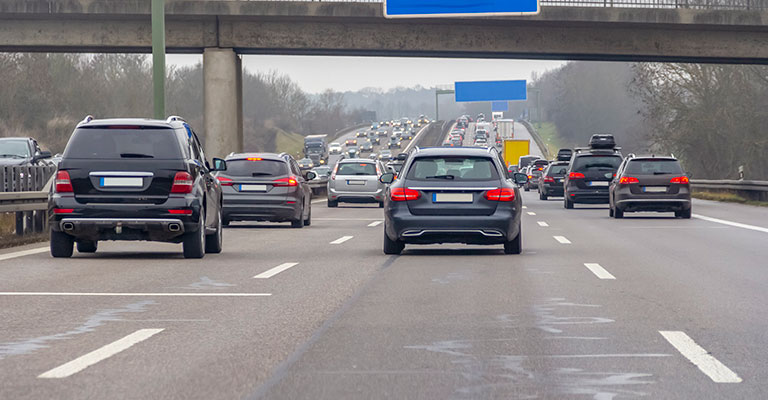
599 271
274 271
342 239
709 365
531 213
524 207
99 354
542 223
136 294
562 239
375 223
23 253
731 223
318 201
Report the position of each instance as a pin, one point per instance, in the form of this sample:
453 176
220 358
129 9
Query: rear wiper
260 173
660 173
442 177
136 155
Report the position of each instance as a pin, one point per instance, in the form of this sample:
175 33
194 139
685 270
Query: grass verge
548 133
291 143
728 197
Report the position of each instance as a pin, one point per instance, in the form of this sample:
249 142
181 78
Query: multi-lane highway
594 308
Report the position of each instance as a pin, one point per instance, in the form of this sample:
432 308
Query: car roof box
602 141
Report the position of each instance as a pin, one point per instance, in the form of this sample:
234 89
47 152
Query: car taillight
549 179
575 175
289 181
501 194
333 174
530 176
181 211
403 194
680 179
182 183
63 183
225 181
626 180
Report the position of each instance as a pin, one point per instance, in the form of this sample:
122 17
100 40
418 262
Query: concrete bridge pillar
222 102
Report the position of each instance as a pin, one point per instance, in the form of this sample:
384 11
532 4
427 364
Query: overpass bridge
732 31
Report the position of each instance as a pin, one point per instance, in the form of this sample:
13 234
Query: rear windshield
557 170
101 143
356 169
596 163
456 168
256 168
654 167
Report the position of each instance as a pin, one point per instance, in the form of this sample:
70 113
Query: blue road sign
490 91
499 106
458 8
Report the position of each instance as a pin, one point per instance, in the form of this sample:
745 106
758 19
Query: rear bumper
261 212
660 205
552 190
356 197
500 227
155 229
589 196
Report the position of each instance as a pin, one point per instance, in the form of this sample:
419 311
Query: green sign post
158 57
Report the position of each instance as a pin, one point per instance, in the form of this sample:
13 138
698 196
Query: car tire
392 246
87 246
568 204
514 246
617 213
214 241
610 211
381 204
527 188
61 244
542 195
308 221
225 222
298 223
333 203
685 214
193 243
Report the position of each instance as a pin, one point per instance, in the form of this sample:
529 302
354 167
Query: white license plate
253 188
655 189
598 183
355 182
110 181
452 197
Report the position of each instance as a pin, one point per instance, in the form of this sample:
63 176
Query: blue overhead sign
458 8
499 106
490 91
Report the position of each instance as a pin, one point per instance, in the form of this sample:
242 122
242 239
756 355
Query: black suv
453 195
650 184
135 179
590 172
266 187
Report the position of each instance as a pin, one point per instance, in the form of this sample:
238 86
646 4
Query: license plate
598 183
355 182
253 188
452 197
655 189
109 181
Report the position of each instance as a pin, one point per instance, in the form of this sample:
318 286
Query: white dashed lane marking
342 239
599 271
696 354
542 223
562 239
274 271
531 213
375 223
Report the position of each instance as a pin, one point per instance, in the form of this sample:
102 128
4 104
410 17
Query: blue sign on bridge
458 8
499 106
490 91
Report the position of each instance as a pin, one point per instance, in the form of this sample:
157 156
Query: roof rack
173 118
581 149
88 118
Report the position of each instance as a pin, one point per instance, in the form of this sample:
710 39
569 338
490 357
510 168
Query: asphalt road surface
595 308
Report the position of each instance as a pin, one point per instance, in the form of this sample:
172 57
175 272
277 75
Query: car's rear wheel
618 213
333 203
567 204
61 244
514 246
542 195
87 246
298 223
214 241
683 214
193 244
527 188
392 246
610 211
381 204
308 221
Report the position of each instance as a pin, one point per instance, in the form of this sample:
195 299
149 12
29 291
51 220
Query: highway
595 308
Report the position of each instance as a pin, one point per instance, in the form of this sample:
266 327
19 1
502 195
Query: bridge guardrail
752 190
24 191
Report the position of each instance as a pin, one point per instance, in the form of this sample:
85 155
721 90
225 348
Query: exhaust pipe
174 227
68 226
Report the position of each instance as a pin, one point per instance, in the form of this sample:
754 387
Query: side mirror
219 165
387 178
402 156
43 155
520 179
311 175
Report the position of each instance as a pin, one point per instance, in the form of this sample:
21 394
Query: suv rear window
596 162
103 143
356 169
557 170
256 168
654 167
456 168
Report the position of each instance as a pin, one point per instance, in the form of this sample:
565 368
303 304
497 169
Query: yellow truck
514 149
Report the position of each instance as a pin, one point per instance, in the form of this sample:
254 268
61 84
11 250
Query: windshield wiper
260 173
451 177
136 155
11 155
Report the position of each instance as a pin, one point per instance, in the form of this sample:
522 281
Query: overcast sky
315 73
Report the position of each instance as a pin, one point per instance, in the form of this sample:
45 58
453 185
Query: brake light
501 194
403 194
225 181
680 179
289 181
549 179
63 210
530 176
63 183
253 159
575 175
181 211
626 180
182 183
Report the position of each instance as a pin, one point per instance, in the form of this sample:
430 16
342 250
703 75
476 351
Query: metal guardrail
752 190
24 191
536 138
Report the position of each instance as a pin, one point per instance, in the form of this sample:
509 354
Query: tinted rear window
100 143
256 168
453 168
356 169
654 167
596 163
557 170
